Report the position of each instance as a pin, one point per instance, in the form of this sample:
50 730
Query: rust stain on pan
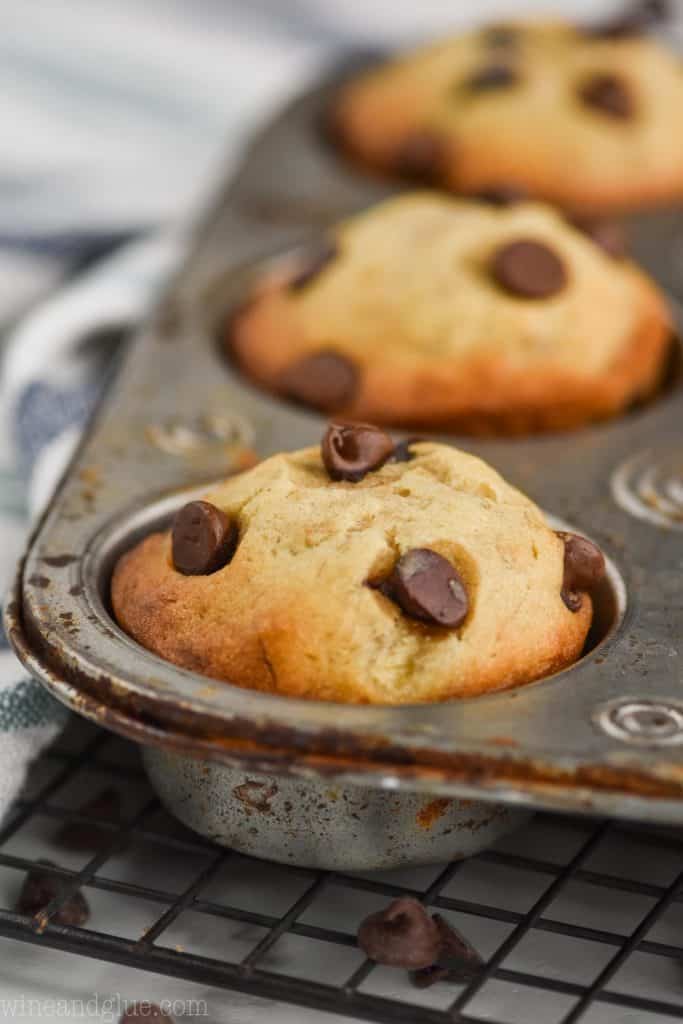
91 475
428 815
256 795
42 582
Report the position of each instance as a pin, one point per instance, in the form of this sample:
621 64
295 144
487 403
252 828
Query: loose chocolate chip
402 452
636 19
324 380
41 887
457 959
420 157
528 269
402 935
609 235
203 539
502 194
427 587
490 77
143 1013
609 94
584 568
87 835
428 976
352 450
313 264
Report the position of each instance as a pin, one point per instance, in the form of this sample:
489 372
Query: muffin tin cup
605 735
320 823
292 810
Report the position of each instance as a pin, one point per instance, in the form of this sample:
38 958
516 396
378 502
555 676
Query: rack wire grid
577 920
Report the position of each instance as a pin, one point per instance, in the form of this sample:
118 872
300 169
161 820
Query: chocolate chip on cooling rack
608 94
420 157
144 1013
492 77
401 935
502 194
633 21
427 587
203 539
89 835
324 380
457 960
584 568
41 887
313 264
608 234
352 450
528 269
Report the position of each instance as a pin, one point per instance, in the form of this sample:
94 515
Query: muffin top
490 311
365 572
584 116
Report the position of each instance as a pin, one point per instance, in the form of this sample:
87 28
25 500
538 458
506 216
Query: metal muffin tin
606 735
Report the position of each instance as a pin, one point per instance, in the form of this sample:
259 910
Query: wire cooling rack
577 920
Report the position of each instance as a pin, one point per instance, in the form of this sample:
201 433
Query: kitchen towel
118 114
50 378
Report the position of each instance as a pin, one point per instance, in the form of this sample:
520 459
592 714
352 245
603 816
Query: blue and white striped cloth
49 383
117 117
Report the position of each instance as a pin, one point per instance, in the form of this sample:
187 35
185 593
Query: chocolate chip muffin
432 312
583 116
362 571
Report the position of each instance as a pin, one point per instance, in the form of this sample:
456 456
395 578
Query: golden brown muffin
432 312
587 118
367 573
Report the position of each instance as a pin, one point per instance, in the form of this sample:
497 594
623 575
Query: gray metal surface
177 416
319 823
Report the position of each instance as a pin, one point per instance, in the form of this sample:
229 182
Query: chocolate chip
352 450
420 157
324 380
428 976
584 562
457 959
402 452
313 264
528 269
500 35
584 568
402 935
609 235
490 77
143 1013
41 887
502 194
427 587
203 539
609 94
572 600
635 20
86 835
